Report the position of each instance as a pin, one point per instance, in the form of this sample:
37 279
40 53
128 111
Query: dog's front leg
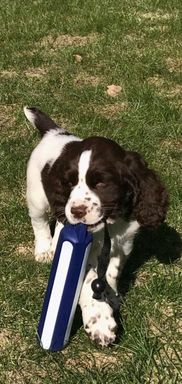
113 272
39 220
97 315
43 238
112 276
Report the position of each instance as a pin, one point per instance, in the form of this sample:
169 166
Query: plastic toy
64 286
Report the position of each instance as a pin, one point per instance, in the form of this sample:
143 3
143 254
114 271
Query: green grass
134 44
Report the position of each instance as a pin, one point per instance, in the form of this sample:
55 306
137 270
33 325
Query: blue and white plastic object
64 286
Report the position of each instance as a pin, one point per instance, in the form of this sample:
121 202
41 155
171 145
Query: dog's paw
43 251
44 257
99 323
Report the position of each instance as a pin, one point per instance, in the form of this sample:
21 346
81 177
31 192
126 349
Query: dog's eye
100 185
67 183
97 181
69 179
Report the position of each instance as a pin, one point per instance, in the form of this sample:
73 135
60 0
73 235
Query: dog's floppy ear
151 208
150 198
128 194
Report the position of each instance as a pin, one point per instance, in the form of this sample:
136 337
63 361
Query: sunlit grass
135 45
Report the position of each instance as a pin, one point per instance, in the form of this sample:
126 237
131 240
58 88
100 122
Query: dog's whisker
60 210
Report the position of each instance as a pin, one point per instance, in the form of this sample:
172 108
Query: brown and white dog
86 181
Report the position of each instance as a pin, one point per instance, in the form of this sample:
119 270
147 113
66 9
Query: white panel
77 293
56 294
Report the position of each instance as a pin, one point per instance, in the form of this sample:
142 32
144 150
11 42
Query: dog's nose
79 211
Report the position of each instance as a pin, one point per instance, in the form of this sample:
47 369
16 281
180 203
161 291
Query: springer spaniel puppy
88 181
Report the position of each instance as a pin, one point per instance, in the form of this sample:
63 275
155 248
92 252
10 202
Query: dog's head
95 179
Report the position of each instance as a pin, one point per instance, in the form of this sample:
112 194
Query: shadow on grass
163 243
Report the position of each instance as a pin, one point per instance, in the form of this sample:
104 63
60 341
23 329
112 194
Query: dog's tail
40 120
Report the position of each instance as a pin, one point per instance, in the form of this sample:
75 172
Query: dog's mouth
93 226
89 226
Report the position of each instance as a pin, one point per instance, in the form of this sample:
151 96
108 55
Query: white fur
97 315
47 151
29 115
82 195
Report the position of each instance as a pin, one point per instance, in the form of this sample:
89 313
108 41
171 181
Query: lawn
61 56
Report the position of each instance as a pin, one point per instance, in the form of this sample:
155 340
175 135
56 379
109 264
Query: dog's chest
118 235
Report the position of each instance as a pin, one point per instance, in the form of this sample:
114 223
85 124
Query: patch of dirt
5 338
23 367
92 360
156 80
30 53
142 278
112 110
8 73
78 58
172 144
155 16
9 338
133 37
164 44
30 372
27 372
155 21
167 89
154 327
35 72
84 79
159 28
166 323
113 90
13 377
68 40
8 123
24 249
174 64
174 90
7 118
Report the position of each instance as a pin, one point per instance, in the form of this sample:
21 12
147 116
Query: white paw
43 250
44 257
99 322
